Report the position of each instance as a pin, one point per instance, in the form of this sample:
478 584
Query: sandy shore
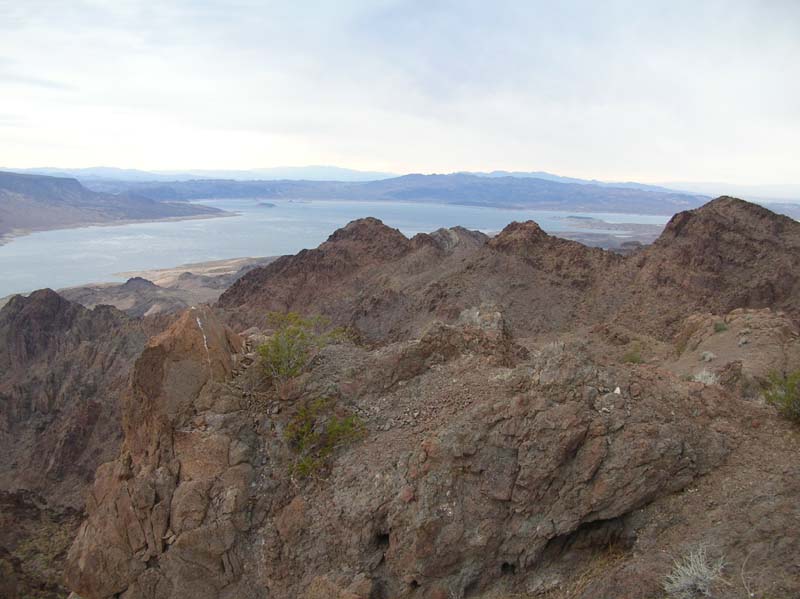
166 277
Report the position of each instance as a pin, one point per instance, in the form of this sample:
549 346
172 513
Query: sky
646 90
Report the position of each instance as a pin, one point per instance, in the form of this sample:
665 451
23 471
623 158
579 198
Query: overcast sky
638 90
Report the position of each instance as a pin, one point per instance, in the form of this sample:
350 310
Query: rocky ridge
532 426
728 254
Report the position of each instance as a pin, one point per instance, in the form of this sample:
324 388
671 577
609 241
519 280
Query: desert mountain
727 254
526 417
34 202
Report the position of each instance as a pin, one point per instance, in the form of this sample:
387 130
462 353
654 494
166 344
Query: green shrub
633 356
293 343
783 391
720 326
315 432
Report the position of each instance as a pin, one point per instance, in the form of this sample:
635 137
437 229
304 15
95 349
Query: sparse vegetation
706 377
633 355
315 432
293 344
783 391
720 326
693 575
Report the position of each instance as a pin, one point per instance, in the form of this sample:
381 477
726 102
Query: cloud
619 89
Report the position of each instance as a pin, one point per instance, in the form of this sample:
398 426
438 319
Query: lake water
71 257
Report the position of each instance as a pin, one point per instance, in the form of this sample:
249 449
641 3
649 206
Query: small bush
720 326
693 575
314 433
706 377
783 391
633 356
293 344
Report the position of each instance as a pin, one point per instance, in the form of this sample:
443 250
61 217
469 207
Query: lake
70 257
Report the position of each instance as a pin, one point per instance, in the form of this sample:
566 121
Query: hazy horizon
770 192
621 91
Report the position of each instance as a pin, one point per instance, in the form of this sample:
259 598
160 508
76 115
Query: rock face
168 510
64 368
481 487
490 467
728 254
742 348
137 297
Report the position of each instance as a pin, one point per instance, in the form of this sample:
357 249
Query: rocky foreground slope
525 421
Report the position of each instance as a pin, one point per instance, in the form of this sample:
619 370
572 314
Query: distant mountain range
460 188
560 179
309 173
98 177
35 202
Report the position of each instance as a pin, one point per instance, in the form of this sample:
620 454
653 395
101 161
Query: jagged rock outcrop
475 463
497 465
163 517
64 367
394 288
63 370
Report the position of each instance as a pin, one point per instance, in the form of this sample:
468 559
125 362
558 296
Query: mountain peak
518 236
727 214
365 230
371 236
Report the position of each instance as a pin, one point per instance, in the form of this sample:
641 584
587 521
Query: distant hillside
94 177
35 202
462 189
560 179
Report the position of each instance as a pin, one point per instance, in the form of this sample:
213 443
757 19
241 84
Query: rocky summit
447 416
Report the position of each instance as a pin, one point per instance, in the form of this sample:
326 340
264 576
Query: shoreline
168 276
7 238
